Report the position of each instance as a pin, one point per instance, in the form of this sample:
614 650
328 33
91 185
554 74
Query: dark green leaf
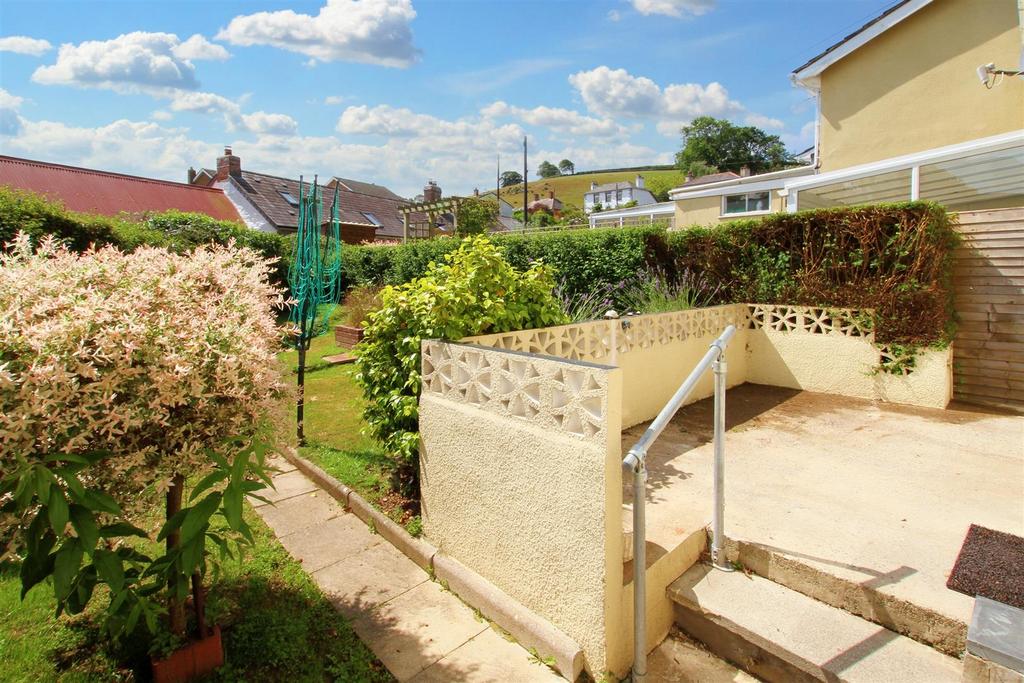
110 569
58 510
121 529
85 526
173 524
233 506
209 480
65 567
198 516
35 568
97 500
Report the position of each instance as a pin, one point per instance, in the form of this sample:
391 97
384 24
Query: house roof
710 178
91 191
358 202
733 183
610 187
807 72
549 203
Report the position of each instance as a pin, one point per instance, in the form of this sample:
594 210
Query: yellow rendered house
925 101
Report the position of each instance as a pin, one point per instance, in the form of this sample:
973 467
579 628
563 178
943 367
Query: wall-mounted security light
990 76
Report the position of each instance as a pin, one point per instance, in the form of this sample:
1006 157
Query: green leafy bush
473 291
38 216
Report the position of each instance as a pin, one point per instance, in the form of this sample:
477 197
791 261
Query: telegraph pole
526 215
497 184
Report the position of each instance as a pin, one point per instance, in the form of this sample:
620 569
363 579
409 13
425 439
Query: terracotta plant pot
347 337
198 658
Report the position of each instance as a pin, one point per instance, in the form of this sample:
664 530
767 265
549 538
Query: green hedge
175 230
584 260
893 258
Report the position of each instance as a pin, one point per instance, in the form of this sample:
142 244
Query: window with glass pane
736 203
757 201
892 186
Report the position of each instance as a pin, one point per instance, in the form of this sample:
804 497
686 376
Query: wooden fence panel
988 285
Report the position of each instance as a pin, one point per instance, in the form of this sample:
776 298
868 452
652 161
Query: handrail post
719 368
639 573
636 463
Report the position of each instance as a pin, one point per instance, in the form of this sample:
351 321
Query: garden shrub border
895 259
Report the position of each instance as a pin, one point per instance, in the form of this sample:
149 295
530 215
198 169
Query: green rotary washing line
314 278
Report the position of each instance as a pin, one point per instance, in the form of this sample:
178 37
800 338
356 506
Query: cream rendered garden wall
832 351
520 480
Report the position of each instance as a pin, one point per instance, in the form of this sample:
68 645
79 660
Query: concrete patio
857 503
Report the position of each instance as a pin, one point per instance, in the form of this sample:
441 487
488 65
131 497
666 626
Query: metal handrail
636 462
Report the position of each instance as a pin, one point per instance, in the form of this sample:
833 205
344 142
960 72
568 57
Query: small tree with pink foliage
120 372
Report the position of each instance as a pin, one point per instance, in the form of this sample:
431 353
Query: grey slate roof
355 198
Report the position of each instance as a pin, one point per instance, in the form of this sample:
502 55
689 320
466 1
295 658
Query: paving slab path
418 630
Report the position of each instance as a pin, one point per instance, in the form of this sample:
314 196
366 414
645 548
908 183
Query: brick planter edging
527 627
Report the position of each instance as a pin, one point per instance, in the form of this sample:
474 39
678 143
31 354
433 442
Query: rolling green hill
570 188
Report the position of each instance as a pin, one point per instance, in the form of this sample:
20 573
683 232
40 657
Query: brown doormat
991 563
340 359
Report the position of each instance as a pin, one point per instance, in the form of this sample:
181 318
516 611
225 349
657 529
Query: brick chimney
593 186
744 171
228 165
476 191
551 194
431 192
191 175
689 176
639 181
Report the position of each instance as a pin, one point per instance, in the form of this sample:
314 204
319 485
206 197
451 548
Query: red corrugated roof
90 191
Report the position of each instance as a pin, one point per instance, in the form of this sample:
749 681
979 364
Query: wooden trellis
433 210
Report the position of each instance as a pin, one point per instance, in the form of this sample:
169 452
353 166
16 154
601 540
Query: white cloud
334 99
674 8
614 15
262 123
133 62
367 31
798 142
10 121
459 153
764 122
616 92
259 122
197 47
555 119
23 45
161 115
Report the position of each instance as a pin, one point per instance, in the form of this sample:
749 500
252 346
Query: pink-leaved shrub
152 356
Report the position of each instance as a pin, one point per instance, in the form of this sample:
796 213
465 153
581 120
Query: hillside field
570 189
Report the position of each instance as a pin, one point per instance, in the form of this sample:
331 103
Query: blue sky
399 91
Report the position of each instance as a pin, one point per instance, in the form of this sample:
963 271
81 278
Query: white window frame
746 195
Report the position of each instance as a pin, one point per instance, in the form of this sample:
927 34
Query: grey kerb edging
528 628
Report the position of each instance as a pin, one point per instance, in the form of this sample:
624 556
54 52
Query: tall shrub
473 291
893 258
120 372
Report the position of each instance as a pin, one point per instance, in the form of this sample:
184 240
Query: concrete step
778 634
848 591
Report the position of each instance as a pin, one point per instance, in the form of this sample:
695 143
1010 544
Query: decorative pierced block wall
555 395
837 321
593 341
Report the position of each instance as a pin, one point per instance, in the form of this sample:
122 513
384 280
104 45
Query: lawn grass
333 429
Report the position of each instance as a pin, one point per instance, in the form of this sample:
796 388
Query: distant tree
476 216
509 178
566 167
719 143
699 168
548 170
